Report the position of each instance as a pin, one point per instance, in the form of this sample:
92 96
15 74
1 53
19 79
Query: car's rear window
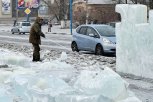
26 24
107 31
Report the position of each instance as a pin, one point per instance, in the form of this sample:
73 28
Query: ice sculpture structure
134 36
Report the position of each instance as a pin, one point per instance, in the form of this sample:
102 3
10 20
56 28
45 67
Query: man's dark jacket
36 32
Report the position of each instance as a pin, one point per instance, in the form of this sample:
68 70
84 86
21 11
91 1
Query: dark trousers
49 29
36 53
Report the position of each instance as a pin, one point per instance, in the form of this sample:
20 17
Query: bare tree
52 9
151 4
59 9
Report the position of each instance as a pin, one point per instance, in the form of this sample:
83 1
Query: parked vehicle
21 27
96 38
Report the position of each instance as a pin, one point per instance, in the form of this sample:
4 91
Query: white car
21 27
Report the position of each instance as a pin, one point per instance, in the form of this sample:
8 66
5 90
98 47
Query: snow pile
63 56
48 85
5 76
99 86
39 88
13 58
81 98
57 81
23 71
55 65
58 69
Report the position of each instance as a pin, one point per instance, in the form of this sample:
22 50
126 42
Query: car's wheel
74 47
99 50
19 31
12 31
23 33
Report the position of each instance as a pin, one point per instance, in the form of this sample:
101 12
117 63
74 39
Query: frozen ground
86 61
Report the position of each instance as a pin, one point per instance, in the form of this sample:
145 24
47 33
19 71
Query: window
83 30
25 24
92 31
106 31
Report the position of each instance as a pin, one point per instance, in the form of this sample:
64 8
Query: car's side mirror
91 35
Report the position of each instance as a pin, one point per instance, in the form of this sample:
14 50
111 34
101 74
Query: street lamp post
87 13
17 10
71 16
17 14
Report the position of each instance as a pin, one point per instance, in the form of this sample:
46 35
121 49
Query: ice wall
135 40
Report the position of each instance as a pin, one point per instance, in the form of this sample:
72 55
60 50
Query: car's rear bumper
24 30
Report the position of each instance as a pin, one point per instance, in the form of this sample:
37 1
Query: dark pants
49 29
36 53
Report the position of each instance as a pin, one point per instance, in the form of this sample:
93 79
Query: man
49 26
14 22
34 38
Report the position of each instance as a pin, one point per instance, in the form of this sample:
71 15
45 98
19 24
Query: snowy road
53 42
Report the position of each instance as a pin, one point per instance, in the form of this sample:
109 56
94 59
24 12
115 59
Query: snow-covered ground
55 80
83 59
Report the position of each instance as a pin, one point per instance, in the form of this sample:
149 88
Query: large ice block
5 76
131 99
4 97
106 83
8 57
58 69
20 83
82 98
134 48
45 89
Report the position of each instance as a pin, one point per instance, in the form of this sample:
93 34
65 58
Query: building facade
95 11
20 11
6 8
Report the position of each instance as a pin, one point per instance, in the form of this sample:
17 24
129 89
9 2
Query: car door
81 38
92 37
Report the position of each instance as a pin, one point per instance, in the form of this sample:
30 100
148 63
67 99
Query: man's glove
43 35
